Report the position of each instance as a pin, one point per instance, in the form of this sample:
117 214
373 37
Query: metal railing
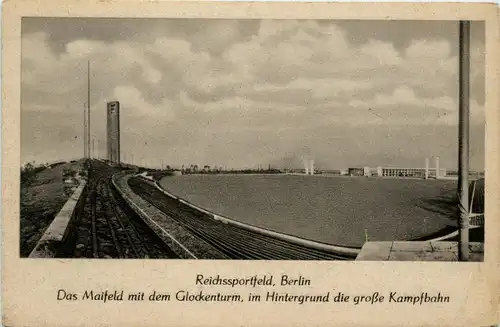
476 205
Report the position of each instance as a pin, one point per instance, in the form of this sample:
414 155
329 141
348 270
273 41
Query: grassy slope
41 200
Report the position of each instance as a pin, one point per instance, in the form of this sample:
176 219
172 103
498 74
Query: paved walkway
417 251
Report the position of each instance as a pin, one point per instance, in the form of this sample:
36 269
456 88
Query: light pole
88 109
463 140
85 130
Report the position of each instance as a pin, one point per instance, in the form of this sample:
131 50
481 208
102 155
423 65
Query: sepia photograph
253 139
198 163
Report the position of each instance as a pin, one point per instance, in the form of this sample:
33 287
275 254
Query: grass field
335 210
41 199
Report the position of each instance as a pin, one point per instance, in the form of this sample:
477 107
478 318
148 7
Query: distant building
356 171
113 132
411 172
333 172
401 172
360 171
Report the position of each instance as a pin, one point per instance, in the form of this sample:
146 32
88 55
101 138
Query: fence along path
476 205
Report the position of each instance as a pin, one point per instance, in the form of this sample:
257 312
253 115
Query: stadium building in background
113 132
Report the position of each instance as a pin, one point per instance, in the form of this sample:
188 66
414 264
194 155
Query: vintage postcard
250 164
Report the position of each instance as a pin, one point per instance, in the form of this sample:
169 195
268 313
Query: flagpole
463 140
85 131
88 105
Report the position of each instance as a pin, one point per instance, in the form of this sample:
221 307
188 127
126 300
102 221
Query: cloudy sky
243 93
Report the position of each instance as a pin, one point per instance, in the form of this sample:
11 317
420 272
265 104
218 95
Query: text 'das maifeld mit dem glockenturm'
257 288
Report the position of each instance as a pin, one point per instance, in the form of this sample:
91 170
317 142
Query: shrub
29 171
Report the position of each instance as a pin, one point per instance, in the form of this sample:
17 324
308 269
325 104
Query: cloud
40 64
79 49
216 37
417 110
134 104
289 80
430 50
319 88
384 53
283 56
